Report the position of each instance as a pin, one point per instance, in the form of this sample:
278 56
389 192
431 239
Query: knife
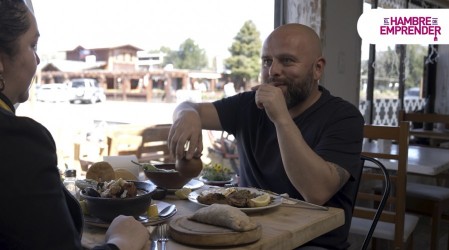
284 196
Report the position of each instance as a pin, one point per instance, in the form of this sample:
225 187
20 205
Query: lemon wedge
84 207
152 211
260 201
183 193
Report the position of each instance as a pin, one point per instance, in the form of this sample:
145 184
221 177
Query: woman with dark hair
36 211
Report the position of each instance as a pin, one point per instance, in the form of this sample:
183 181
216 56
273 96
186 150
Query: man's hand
271 98
186 132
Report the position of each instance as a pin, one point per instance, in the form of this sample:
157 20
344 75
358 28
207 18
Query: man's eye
287 60
266 63
34 46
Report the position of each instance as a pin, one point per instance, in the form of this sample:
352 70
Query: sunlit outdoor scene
316 136
143 63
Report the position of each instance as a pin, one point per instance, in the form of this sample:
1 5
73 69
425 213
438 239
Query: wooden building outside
118 72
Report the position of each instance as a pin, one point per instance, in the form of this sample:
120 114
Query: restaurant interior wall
336 22
342 48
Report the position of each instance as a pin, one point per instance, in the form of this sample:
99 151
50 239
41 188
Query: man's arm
188 121
314 178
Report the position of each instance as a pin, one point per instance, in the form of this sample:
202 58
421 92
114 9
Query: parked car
412 93
86 90
52 92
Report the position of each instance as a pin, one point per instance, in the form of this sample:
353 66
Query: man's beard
298 90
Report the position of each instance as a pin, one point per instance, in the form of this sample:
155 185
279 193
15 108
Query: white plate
274 203
218 183
144 219
193 184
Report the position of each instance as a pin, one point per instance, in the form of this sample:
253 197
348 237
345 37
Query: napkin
123 162
225 216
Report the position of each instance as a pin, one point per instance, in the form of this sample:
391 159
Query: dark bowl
168 180
108 208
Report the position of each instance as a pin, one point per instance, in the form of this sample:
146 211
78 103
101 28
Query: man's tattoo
342 173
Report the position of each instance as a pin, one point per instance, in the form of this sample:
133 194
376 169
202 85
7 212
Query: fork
154 239
163 235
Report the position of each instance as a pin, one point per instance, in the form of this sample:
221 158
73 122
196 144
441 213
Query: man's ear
318 68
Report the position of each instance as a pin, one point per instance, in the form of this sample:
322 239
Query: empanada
225 216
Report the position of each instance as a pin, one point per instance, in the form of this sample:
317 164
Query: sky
148 24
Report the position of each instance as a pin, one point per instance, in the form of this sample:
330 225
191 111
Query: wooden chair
383 200
154 144
148 143
124 144
434 135
394 224
428 199
87 153
124 139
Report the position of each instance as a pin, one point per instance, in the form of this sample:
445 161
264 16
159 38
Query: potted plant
216 174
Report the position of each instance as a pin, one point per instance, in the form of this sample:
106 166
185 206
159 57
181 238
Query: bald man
292 135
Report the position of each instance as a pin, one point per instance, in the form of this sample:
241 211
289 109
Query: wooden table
283 227
442 134
435 136
421 160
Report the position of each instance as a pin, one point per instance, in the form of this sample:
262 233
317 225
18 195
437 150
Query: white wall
342 48
336 22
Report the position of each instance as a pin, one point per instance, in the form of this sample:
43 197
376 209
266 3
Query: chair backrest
428 121
124 139
394 211
423 117
154 145
383 201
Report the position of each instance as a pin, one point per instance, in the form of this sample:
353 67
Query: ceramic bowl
108 208
168 180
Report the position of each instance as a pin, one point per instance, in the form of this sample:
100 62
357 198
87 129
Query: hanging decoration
433 56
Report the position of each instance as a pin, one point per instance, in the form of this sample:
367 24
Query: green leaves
189 56
244 62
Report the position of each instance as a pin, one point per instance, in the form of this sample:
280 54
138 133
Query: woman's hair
14 22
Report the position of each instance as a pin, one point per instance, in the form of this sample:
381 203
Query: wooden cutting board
189 232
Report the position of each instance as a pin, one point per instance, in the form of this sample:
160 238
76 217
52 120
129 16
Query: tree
189 56
387 66
244 62
415 58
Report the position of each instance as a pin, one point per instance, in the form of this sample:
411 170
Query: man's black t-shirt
332 127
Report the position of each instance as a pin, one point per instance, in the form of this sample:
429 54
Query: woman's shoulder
24 130
9 120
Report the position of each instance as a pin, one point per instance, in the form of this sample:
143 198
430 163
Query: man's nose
275 69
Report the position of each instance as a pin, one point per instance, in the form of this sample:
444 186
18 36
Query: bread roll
100 171
124 174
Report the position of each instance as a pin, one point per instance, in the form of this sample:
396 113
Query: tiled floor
421 237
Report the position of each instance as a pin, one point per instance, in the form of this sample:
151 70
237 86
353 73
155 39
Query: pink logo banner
404 26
